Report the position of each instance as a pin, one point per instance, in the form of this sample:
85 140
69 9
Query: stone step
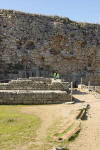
31 85
46 80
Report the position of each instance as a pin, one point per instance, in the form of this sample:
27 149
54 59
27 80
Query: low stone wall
41 79
33 97
34 85
35 90
81 86
24 85
90 88
59 86
97 89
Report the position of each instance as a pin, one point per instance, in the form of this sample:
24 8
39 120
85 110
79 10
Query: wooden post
81 80
71 90
89 86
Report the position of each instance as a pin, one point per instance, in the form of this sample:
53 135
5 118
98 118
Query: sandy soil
89 137
48 115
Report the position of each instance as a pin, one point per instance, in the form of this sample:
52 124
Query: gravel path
89 137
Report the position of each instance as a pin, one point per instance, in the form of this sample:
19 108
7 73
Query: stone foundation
32 84
34 91
33 97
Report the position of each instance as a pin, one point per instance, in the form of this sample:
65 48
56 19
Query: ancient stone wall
34 91
33 97
42 84
37 45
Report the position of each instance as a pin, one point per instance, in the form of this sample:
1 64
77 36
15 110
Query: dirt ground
89 137
48 114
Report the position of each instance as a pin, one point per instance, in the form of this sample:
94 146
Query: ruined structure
34 91
37 45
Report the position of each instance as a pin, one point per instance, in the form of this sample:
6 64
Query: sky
77 10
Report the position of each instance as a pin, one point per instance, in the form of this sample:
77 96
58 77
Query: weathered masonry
34 91
34 45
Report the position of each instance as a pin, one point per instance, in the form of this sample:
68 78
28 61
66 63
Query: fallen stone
59 148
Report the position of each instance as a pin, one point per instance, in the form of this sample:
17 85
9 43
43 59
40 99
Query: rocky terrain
37 45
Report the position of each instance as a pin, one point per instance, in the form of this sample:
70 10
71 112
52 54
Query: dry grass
16 128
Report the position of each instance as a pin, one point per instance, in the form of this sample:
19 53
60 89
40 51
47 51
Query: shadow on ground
85 117
79 93
77 100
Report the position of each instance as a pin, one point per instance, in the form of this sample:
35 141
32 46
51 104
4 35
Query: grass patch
53 129
52 132
65 131
16 128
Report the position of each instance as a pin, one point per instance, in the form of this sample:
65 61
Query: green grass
16 128
52 132
74 136
53 129
65 131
